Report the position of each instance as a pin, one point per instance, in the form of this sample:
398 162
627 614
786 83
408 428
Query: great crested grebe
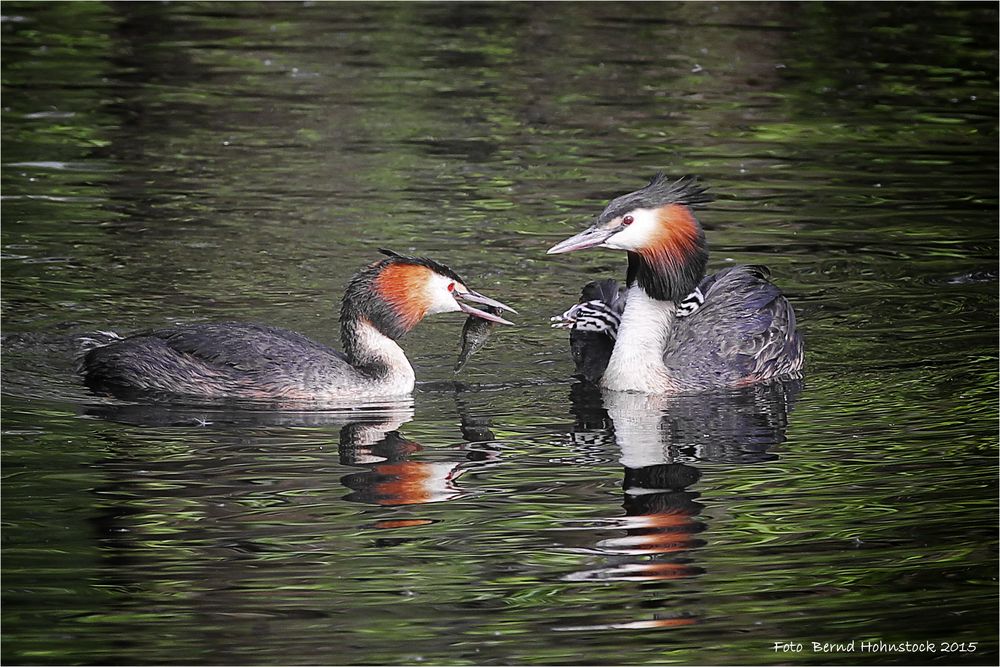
383 301
680 331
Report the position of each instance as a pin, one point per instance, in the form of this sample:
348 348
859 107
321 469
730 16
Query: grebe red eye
628 220
451 287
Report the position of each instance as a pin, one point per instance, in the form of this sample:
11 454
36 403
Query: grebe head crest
666 245
395 293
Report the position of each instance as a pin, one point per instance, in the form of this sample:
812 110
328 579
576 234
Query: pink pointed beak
476 297
588 238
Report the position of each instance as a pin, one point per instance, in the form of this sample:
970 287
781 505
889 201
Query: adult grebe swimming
677 330
383 301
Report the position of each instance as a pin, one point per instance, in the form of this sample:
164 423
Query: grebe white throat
374 346
637 360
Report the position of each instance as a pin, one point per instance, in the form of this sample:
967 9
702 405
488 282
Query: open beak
476 297
588 238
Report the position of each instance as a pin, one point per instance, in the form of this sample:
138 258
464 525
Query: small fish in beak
475 333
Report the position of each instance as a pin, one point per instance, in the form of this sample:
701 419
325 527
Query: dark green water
186 162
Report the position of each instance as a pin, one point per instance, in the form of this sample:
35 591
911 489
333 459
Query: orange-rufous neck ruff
403 286
676 238
672 261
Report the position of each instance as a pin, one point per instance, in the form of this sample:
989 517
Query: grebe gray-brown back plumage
679 330
383 301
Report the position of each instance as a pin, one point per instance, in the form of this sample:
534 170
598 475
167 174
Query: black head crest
396 258
660 191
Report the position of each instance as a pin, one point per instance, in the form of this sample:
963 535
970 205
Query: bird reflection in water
369 439
661 440
391 477
238 507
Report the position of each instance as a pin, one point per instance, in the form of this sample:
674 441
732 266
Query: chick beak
476 297
588 238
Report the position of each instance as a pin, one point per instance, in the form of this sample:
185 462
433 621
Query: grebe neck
668 276
369 328
636 362
373 353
